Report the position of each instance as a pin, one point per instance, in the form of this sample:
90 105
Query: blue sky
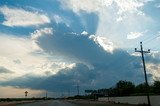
53 45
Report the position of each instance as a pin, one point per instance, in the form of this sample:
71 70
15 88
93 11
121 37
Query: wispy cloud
158 36
134 35
157 5
60 19
57 19
98 5
20 17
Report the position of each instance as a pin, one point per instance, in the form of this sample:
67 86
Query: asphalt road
49 103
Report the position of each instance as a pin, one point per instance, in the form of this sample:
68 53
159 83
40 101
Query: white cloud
85 5
155 55
58 19
22 56
50 68
158 38
84 33
13 48
119 19
61 19
41 32
154 70
134 35
20 17
12 45
99 5
129 6
103 42
153 66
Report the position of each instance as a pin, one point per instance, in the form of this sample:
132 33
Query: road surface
49 103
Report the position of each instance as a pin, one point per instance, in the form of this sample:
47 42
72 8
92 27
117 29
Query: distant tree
140 89
103 92
112 92
156 87
125 88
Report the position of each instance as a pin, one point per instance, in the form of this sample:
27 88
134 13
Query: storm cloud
94 67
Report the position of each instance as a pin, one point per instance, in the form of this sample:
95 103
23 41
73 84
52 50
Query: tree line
127 88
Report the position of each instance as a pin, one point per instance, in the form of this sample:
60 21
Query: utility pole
146 84
46 94
68 92
77 89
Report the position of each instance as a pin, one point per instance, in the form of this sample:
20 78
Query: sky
55 45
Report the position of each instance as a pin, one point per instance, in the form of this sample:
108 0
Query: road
49 103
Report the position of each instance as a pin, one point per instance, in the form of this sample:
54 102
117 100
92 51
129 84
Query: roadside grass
97 103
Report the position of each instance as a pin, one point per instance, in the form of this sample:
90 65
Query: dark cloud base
4 70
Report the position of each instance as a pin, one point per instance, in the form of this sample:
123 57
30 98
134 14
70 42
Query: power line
147 40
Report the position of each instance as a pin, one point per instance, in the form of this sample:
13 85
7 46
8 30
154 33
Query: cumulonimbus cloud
93 66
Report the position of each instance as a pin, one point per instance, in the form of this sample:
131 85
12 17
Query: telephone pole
68 92
46 94
77 89
144 67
